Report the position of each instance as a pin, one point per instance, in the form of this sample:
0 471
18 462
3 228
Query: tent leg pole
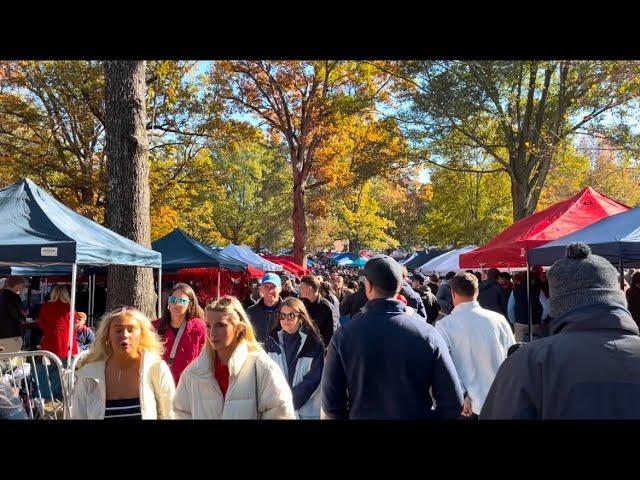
93 300
159 292
529 305
89 313
621 275
218 284
72 327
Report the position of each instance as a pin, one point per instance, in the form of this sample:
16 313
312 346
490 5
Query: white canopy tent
447 262
246 255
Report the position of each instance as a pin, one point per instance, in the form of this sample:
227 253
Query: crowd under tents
39 231
509 249
616 238
447 262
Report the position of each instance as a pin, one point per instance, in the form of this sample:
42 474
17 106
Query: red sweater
222 375
54 322
191 344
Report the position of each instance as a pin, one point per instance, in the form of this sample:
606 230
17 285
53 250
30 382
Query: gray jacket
589 368
445 300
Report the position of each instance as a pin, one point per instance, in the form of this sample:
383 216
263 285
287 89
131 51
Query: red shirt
191 344
222 375
54 322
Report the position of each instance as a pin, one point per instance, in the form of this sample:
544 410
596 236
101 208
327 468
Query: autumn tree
468 207
246 198
519 112
52 130
300 101
360 219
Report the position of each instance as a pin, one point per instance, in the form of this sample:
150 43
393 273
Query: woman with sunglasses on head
297 347
181 328
124 376
233 378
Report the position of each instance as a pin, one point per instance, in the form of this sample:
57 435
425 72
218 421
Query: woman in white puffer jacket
233 377
124 376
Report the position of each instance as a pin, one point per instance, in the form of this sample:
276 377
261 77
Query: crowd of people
381 343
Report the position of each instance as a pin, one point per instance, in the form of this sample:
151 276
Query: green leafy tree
519 113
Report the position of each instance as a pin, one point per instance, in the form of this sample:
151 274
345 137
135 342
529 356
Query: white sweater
198 395
478 340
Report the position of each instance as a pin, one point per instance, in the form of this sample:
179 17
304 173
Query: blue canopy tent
359 262
616 238
38 231
179 250
340 258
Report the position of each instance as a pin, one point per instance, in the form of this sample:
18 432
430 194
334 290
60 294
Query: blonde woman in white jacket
124 376
233 378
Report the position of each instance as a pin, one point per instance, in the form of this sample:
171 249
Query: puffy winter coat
251 375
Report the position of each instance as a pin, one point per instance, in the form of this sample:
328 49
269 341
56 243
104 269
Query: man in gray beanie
383 362
589 368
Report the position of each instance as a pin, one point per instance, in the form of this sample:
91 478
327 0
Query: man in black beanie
589 368
382 363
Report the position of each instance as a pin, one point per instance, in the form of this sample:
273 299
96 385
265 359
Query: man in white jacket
478 340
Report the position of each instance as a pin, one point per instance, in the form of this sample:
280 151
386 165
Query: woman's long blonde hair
149 339
232 307
60 292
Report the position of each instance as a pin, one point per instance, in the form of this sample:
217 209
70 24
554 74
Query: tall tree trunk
128 179
519 196
299 224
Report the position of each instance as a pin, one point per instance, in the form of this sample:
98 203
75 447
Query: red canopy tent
294 268
509 249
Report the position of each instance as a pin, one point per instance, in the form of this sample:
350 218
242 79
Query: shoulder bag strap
174 349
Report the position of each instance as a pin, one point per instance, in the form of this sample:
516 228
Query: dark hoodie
633 300
11 316
493 297
414 300
589 368
263 318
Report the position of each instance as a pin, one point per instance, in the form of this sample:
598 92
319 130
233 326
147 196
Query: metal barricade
70 376
32 377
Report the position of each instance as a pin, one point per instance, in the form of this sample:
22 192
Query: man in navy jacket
383 363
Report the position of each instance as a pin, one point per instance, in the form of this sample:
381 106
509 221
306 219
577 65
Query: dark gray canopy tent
39 231
616 238
423 257
179 250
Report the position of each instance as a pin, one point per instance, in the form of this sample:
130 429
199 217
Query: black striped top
125 408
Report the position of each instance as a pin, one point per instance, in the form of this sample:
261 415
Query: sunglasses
288 316
179 301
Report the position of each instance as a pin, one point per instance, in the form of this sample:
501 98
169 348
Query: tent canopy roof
447 262
421 258
509 249
38 230
616 238
246 255
179 250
